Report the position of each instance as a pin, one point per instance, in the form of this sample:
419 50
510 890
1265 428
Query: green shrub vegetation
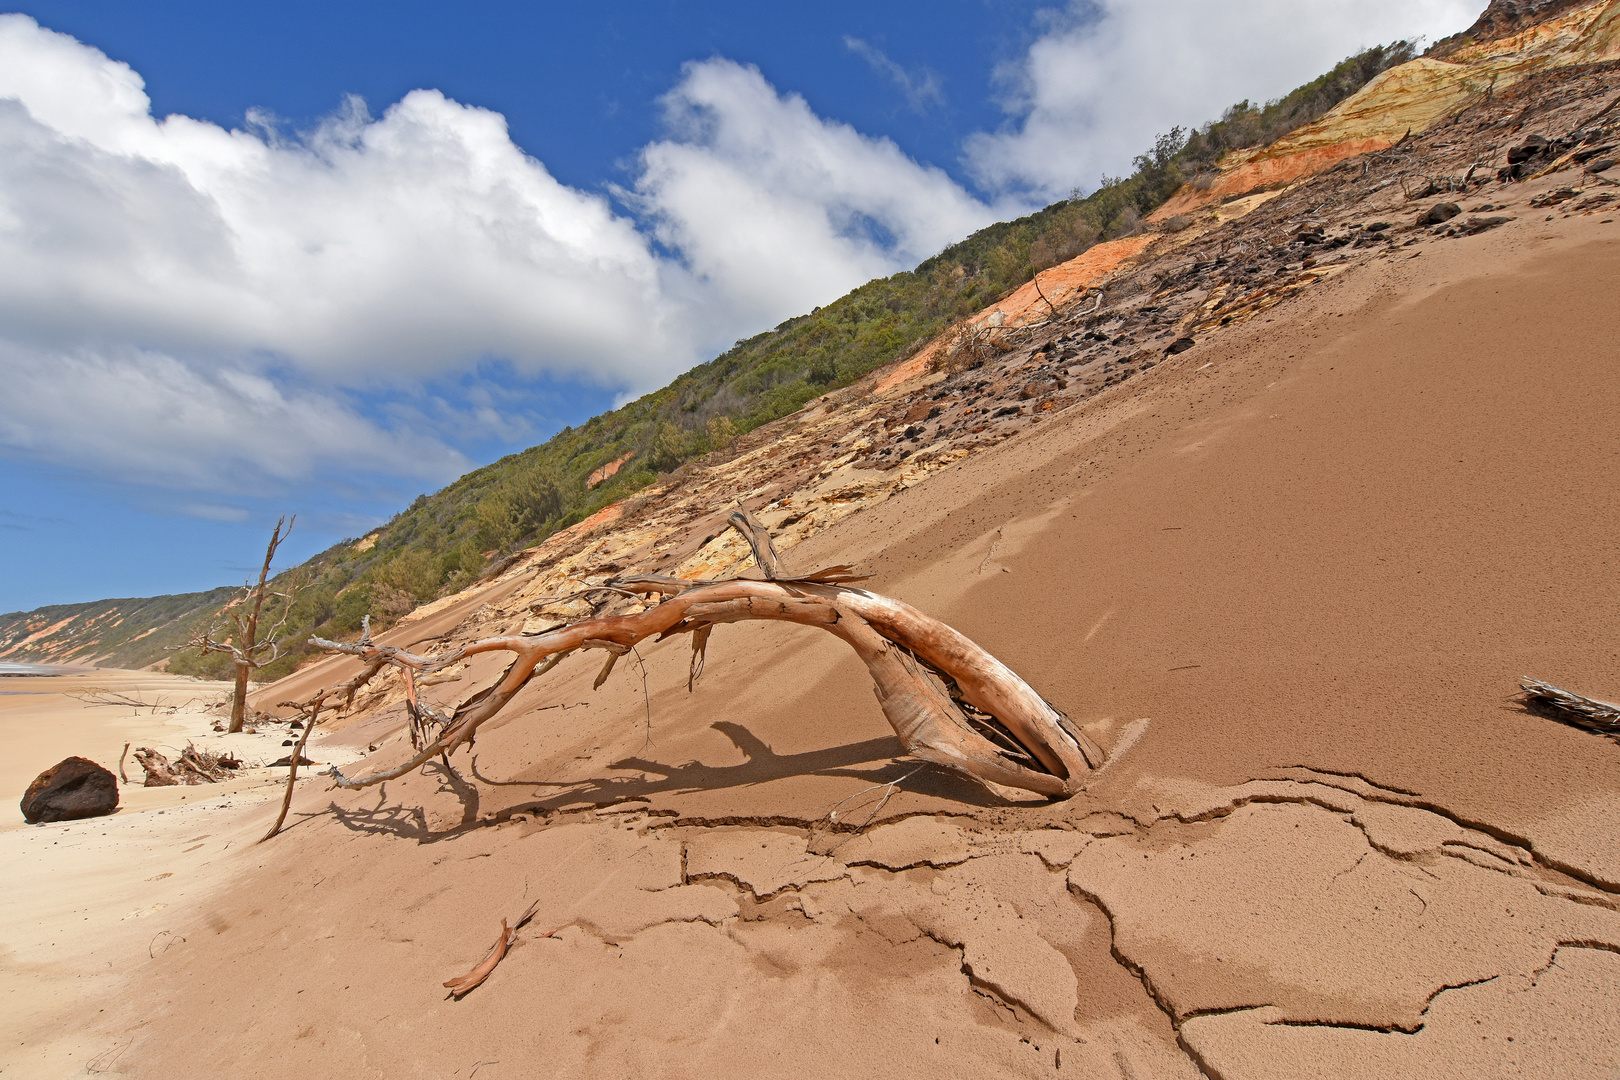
444 542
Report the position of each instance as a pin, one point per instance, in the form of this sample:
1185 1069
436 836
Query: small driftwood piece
1547 700
477 975
465 983
951 702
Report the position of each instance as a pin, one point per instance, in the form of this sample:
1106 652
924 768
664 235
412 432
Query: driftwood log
195 765
951 702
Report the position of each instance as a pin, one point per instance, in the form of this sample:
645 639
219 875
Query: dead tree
949 700
247 650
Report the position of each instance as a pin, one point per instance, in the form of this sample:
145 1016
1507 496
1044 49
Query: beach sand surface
87 902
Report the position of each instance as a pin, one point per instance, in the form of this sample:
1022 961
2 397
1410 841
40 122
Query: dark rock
1180 345
288 742
1602 165
1480 224
298 725
73 788
913 431
1440 212
1553 198
1532 147
1581 157
1379 226
288 760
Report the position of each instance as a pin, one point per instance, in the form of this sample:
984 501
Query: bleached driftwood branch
1570 708
951 702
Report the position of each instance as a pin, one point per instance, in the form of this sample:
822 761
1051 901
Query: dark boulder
1533 147
1180 345
1439 213
74 788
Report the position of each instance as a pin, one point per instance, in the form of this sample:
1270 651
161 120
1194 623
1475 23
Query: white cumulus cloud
193 286
200 307
149 418
1106 75
408 244
769 203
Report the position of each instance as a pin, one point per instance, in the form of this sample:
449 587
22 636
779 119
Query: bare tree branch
941 692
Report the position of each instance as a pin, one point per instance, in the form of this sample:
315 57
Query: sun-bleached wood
949 700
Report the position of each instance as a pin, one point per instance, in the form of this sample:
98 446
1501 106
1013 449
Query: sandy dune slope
1314 554
1287 575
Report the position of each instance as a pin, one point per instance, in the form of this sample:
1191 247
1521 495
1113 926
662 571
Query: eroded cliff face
130 633
1523 40
1277 500
1504 18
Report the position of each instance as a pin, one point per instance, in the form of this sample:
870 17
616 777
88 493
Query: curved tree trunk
950 701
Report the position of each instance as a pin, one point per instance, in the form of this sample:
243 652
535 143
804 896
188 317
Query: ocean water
31 669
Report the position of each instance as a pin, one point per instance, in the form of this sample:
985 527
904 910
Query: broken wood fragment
759 539
700 648
1554 703
194 766
468 982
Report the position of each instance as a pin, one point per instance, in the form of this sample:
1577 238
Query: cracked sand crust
1316 549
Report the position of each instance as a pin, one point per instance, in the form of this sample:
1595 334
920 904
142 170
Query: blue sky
319 258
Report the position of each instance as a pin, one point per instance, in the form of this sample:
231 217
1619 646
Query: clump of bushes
444 542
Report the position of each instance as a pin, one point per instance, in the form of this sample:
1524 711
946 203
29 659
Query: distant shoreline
41 669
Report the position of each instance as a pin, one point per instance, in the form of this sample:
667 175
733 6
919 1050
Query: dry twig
464 984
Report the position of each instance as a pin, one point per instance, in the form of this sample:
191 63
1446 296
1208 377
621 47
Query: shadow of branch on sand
872 761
